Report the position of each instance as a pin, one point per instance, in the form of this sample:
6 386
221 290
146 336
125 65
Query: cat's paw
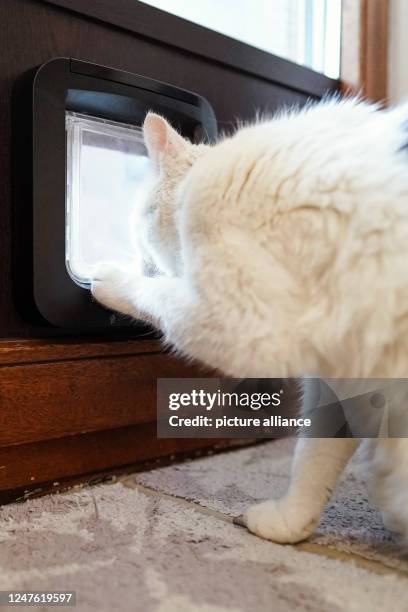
279 521
112 285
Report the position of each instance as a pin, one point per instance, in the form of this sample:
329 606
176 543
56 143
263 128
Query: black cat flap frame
59 87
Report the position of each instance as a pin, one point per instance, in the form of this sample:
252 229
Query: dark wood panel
71 408
33 31
29 465
76 407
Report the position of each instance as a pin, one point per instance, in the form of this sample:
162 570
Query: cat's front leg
317 465
116 286
161 300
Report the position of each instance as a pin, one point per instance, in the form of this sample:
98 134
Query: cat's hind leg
316 467
389 485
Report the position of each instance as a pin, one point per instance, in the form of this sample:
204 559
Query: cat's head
172 156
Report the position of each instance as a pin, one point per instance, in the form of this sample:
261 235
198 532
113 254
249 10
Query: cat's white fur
284 251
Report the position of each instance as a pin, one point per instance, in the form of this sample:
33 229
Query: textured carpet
123 550
230 482
125 547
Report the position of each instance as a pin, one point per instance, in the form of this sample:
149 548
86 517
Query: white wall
398 51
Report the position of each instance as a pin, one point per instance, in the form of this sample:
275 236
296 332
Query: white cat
283 251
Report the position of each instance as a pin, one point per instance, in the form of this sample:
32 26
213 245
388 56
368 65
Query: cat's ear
161 139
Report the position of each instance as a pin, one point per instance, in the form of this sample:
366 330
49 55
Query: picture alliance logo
219 399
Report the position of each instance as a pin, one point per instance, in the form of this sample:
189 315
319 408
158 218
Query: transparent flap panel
107 168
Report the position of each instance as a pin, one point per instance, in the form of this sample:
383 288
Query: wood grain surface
81 408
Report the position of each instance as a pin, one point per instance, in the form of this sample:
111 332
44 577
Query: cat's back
325 193
346 148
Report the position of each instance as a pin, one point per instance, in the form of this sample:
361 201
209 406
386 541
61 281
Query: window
304 31
107 165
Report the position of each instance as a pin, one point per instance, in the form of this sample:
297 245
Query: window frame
364 48
153 23
364 44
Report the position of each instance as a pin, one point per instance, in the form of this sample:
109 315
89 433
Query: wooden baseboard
27 469
79 408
